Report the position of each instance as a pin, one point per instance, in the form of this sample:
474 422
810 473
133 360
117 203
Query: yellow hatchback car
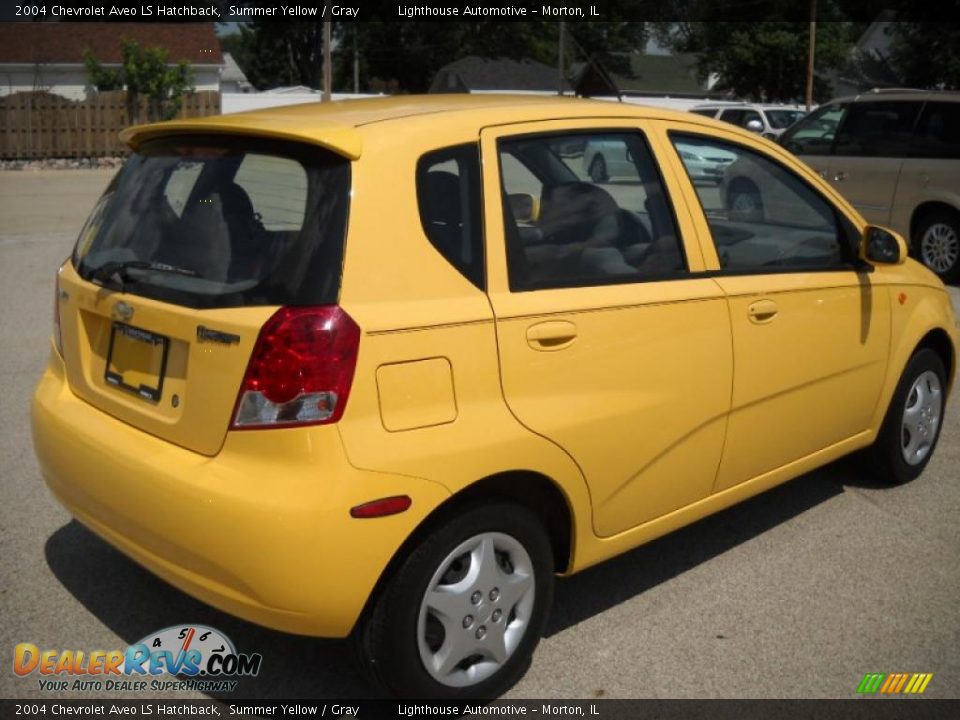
382 369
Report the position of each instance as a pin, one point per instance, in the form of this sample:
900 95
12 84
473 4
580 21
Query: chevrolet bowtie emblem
122 311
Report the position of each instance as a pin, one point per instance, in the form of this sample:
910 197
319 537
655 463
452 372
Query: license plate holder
137 361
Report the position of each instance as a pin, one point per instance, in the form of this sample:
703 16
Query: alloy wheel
940 247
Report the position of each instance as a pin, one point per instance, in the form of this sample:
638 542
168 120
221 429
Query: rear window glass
212 222
448 195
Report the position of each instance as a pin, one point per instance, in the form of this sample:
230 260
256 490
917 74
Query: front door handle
551 335
840 176
762 311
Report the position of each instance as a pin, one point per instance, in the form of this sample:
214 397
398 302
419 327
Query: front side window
782 119
221 222
599 218
813 135
448 195
762 216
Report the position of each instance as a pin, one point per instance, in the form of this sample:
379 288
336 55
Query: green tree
275 54
144 72
764 56
927 54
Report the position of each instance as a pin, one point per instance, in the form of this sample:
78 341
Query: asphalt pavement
796 593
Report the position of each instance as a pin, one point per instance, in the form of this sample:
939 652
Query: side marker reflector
382 507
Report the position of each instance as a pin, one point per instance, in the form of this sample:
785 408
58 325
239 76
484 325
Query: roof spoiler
341 139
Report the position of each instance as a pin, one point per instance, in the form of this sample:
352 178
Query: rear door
609 345
930 172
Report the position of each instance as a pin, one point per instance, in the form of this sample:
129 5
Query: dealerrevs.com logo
202 658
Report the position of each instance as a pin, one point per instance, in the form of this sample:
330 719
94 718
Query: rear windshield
211 222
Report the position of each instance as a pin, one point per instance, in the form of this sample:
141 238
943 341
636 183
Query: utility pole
813 47
356 60
327 55
560 59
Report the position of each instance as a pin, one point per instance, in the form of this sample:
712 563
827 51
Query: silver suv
896 156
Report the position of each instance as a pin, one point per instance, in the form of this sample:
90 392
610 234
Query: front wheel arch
938 341
888 457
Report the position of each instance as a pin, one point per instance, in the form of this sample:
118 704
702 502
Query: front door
810 332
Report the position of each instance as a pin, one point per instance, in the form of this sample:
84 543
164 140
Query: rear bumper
261 531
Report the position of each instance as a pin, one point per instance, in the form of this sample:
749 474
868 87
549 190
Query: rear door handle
762 311
551 335
840 176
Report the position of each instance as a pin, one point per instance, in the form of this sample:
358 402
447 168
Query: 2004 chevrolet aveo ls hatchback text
382 369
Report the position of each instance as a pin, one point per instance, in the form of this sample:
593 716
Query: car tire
473 638
936 243
911 427
598 169
744 202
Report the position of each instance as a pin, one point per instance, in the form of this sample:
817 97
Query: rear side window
601 218
877 129
938 132
448 196
211 222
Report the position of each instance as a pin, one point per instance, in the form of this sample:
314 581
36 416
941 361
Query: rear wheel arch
529 489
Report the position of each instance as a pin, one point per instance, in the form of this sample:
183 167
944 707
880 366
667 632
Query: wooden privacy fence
43 125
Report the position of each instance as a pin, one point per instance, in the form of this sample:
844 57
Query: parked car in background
382 369
705 165
604 161
770 121
896 156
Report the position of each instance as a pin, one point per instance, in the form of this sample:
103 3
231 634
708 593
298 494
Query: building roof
868 64
474 73
635 73
232 72
56 42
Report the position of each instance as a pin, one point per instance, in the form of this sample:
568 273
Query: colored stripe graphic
894 683
871 682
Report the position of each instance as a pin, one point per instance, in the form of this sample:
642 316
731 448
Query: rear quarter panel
428 333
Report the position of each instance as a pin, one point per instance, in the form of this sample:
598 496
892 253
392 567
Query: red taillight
301 369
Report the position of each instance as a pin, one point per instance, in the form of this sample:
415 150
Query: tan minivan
896 156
